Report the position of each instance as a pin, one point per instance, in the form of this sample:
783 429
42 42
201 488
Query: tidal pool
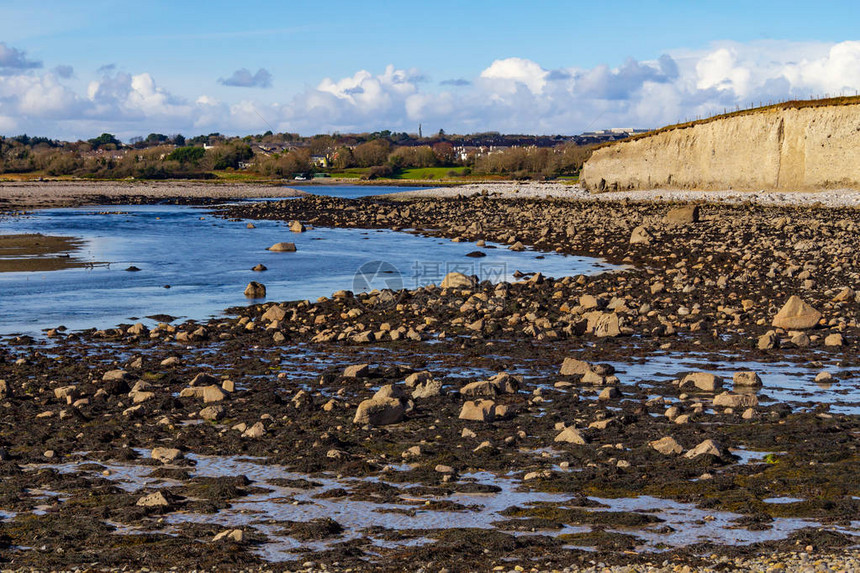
193 264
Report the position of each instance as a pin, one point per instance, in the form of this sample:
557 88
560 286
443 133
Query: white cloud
505 74
511 95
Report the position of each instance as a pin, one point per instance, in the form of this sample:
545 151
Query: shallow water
282 504
206 261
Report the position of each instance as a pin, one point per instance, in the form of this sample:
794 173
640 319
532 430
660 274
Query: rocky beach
696 408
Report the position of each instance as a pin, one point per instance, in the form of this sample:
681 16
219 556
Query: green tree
104 139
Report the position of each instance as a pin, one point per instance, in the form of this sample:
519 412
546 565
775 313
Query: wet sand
31 253
44 194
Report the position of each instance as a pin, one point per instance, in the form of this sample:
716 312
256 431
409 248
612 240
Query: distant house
320 161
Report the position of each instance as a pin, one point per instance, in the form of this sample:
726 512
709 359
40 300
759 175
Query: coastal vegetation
368 156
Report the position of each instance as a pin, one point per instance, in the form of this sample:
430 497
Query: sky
73 70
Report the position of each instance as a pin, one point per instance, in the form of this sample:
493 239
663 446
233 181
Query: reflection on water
195 265
266 511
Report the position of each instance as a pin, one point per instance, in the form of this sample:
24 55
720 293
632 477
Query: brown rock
666 446
796 315
255 290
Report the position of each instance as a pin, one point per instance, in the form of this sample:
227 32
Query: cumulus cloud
13 59
243 78
510 95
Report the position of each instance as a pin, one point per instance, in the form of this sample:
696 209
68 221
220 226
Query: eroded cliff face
805 148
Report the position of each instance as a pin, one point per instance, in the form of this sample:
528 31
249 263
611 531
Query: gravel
826 198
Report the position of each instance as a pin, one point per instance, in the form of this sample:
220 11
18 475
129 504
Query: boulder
703 381
255 290
571 435
379 411
709 447
236 535
297 227
574 367
212 394
417 378
428 389
768 341
482 411
260 267
640 236
834 339
165 455
732 400
115 375
746 379
457 280
5 390
157 499
275 312
603 324
283 248
682 215
356 371
212 413
796 315
258 430
501 383
666 446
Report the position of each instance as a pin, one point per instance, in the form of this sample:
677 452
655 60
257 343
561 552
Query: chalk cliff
804 146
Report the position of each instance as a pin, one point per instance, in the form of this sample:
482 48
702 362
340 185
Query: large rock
379 411
574 367
607 324
482 411
501 383
255 290
640 236
709 447
682 215
297 227
571 435
356 371
666 446
457 280
157 499
283 248
746 378
275 312
428 389
796 315
732 400
5 389
165 455
702 381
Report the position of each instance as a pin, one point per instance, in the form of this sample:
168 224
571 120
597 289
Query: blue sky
73 70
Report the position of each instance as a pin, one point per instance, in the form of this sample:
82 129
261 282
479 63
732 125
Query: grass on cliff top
793 104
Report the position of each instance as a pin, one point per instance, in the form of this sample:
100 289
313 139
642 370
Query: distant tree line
377 154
